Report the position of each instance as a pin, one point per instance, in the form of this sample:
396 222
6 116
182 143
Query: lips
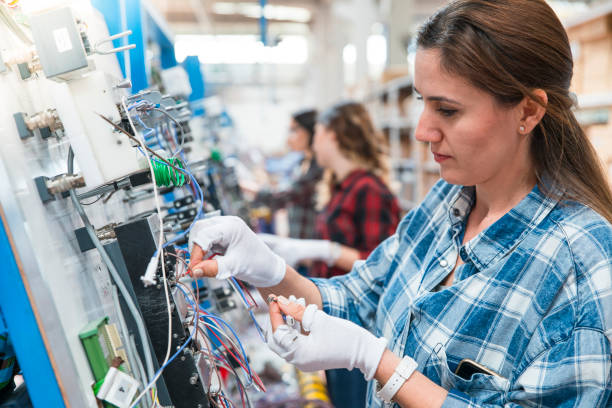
440 157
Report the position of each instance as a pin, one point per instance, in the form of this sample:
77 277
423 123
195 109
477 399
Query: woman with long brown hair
357 209
496 291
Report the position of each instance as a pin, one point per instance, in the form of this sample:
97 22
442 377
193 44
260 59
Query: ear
533 111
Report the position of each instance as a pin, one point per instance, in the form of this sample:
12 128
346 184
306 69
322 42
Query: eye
447 112
419 97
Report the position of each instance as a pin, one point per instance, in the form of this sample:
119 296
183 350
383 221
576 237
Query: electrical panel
101 187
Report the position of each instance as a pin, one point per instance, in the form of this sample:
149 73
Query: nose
426 130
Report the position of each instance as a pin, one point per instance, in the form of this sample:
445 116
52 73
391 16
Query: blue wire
218 319
257 326
239 289
246 303
168 362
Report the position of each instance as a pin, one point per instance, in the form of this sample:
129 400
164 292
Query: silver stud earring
522 129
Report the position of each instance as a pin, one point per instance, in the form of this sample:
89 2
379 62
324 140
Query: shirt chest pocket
485 388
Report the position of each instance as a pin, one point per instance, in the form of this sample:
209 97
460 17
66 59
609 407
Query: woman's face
324 145
473 138
298 137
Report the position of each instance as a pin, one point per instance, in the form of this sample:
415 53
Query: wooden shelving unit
394 111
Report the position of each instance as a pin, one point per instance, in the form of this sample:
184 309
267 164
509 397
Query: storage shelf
414 170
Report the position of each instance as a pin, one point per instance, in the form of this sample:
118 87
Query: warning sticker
62 39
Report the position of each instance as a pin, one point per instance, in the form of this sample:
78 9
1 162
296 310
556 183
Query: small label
62 39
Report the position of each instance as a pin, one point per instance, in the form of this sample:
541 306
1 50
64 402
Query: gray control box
58 42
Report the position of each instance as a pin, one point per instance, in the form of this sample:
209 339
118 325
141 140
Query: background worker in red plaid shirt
359 213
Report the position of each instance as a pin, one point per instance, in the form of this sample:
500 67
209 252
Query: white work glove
330 343
243 254
294 251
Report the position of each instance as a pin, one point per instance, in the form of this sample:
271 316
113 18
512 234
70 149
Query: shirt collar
348 180
498 239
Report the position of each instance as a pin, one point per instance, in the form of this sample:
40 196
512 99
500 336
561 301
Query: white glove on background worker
330 343
243 254
294 251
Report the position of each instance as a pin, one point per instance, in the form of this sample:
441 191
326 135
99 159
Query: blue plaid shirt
532 302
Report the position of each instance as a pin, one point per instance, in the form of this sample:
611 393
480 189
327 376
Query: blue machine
147 26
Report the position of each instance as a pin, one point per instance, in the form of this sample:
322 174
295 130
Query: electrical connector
150 276
118 388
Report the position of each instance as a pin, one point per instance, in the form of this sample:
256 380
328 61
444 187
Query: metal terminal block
65 182
48 118
47 122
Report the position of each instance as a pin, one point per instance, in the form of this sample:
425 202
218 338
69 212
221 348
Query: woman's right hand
240 253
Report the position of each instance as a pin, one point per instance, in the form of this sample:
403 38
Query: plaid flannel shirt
533 301
299 199
361 214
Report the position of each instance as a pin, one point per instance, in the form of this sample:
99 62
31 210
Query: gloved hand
243 254
330 343
294 251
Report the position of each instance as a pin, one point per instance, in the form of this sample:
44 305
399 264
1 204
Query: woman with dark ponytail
299 197
496 291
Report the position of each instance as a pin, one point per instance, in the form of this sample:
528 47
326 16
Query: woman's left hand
326 342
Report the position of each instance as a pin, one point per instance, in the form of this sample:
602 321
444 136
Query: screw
193 380
175 336
183 358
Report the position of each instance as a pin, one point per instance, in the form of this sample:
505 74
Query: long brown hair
357 139
510 48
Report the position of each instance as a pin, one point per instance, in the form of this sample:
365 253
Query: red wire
247 292
253 373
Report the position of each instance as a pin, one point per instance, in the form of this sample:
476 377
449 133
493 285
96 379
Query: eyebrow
439 98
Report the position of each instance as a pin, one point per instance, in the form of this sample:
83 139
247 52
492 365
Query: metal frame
21 314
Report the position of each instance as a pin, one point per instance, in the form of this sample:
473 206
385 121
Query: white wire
159 248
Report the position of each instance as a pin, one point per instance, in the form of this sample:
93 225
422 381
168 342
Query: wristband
402 372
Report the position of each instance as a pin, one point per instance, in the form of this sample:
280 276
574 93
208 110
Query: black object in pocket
467 368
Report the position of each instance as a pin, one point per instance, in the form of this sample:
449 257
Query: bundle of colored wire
156 255
199 196
167 176
216 327
250 305
217 359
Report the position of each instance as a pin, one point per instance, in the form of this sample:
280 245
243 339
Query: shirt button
463 254
443 263
456 212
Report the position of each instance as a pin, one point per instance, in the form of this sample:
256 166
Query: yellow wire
154 397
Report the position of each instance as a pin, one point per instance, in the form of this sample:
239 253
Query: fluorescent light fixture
376 54
349 54
241 49
271 12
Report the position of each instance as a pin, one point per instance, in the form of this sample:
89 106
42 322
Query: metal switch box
58 42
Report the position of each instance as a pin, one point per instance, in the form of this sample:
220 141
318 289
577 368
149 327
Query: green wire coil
166 176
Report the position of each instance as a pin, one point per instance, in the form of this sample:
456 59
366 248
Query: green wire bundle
166 176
